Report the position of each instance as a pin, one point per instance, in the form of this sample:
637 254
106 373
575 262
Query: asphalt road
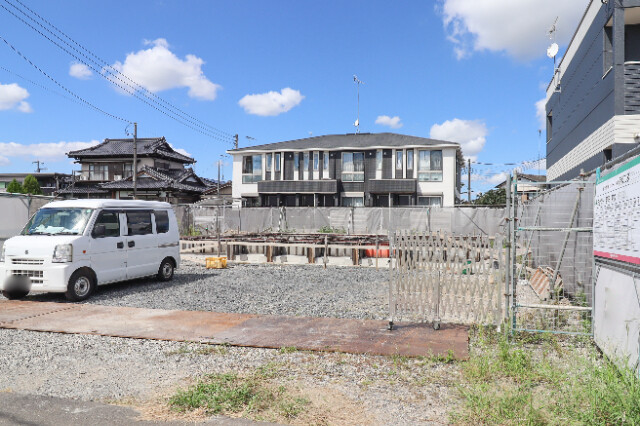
27 410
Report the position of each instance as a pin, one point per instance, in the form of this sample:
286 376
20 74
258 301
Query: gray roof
79 188
350 140
146 147
153 178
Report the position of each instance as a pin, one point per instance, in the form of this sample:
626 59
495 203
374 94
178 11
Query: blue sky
470 71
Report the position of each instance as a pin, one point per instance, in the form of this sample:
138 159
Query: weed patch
232 395
529 380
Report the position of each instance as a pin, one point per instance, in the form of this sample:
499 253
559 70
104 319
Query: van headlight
62 253
2 254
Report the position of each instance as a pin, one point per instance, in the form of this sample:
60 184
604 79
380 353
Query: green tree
15 187
31 186
494 197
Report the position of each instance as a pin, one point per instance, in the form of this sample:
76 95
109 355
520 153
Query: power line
87 103
111 73
148 94
40 85
129 91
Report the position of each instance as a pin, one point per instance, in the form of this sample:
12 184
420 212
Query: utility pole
135 161
469 180
219 161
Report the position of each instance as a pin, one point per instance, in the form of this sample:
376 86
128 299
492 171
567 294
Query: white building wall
239 189
619 129
446 188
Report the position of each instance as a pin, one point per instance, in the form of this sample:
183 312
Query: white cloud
271 103
13 96
470 134
517 27
80 71
4 161
541 113
496 179
393 122
158 69
43 151
180 151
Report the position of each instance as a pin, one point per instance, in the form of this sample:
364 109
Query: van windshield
61 221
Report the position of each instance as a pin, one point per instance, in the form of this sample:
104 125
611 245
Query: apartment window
352 201
431 201
128 170
379 160
316 161
277 166
549 125
325 162
409 159
430 166
306 161
98 172
267 165
251 168
296 161
399 160
353 166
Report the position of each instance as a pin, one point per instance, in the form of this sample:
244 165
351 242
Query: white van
73 246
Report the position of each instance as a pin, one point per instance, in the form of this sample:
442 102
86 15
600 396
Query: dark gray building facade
593 100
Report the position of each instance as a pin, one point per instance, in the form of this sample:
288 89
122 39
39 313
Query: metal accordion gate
442 278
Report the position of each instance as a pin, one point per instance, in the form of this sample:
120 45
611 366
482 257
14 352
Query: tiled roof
146 147
82 189
152 178
350 140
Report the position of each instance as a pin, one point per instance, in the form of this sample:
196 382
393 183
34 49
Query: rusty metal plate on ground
303 333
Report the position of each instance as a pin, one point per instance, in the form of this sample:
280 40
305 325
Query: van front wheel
165 273
81 285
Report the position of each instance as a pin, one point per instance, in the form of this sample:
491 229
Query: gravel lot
294 290
343 388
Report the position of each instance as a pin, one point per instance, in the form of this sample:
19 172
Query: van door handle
131 243
120 245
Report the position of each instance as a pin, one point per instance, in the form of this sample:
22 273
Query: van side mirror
98 231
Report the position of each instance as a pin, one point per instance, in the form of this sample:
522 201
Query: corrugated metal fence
202 220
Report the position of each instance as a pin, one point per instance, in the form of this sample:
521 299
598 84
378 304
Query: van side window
162 221
111 222
139 223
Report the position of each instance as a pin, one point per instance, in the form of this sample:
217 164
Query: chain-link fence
553 256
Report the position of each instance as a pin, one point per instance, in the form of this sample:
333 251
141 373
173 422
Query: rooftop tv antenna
552 51
358 83
39 165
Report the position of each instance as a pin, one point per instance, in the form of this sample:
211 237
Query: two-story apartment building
107 172
364 169
593 100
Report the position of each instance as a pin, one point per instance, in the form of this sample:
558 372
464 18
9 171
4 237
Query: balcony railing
391 186
298 186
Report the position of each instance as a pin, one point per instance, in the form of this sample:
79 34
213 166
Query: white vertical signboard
616 215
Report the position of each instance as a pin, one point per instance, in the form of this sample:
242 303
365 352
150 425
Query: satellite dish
552 50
